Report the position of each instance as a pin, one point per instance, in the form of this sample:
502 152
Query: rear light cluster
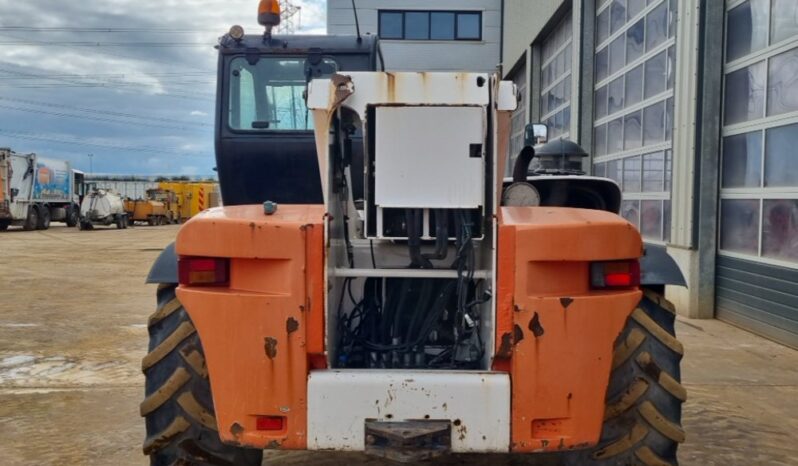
270 423
203 271
615 274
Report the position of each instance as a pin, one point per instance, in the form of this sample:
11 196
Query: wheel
120 222
125 222
86 226
178 408
4 225
44 218
73 216
643 414
32 222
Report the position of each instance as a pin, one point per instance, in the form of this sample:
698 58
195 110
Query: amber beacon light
269 14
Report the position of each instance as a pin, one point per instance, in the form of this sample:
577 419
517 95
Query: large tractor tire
178 408
4 225
643 414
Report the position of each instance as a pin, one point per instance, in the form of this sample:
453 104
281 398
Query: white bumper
477 404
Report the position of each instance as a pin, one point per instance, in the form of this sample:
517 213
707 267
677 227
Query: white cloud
198 113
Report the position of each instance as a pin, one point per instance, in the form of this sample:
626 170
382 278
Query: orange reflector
617 274
195 271
270 423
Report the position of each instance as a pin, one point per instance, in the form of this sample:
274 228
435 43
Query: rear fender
657 267
164 270
262 331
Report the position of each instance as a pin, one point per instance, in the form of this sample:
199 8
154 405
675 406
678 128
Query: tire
120 222
643 414
86 226
44 218
32 222
73 216
4 226
178 408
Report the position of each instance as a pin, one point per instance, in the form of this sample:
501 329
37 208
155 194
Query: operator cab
265 147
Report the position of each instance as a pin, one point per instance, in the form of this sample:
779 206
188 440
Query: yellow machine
159 208
192 198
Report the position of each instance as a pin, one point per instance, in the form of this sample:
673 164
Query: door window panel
748 29
781 158
783 83
739 225
742 161
745 94
780 229
784 22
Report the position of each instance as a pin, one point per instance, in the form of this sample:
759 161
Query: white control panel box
429 157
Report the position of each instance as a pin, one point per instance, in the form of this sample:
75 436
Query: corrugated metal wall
761 298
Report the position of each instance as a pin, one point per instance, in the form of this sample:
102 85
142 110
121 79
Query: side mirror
536 134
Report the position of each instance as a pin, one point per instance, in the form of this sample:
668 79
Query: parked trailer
35 191
102 208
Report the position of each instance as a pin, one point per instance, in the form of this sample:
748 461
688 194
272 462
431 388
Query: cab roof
291 44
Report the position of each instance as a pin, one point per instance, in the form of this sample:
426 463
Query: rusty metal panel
477 404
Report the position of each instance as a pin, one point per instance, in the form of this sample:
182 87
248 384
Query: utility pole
290 18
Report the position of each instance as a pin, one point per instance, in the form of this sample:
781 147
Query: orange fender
554 334
263 331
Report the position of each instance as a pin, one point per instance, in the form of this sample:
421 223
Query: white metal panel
340 402
423 163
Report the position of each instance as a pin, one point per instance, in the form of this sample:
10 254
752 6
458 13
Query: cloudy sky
129 81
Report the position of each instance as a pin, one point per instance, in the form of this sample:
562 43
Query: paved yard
72 312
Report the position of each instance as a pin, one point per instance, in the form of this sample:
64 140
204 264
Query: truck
375 283
160 207
102 207
35 191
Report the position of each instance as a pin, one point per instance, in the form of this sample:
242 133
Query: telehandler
376 283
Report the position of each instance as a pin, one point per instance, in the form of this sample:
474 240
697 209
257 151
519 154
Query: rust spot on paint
506 347
517 308
535 327
274 445
566 302
270 346
236 429
518 334
291 325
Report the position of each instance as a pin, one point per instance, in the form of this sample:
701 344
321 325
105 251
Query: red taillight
203 271
270 423
616 274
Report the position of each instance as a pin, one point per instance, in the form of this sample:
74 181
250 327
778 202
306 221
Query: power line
111 44
122 147
100 119
97 111
98 30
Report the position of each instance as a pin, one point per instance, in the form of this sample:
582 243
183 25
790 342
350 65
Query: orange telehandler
377 281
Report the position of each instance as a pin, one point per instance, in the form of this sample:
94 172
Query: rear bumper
341 402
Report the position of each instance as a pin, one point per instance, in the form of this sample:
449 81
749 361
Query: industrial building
419 35
692 107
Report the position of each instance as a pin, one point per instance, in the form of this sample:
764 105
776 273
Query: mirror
536 134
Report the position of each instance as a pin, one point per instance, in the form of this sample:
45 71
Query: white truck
35 191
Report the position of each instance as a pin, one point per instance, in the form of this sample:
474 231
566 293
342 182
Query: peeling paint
291 325
566 302
535 326
270 347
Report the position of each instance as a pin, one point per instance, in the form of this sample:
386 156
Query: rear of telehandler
397 295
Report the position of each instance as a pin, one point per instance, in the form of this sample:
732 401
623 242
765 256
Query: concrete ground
73 307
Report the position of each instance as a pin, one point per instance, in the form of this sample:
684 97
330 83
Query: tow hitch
408 442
